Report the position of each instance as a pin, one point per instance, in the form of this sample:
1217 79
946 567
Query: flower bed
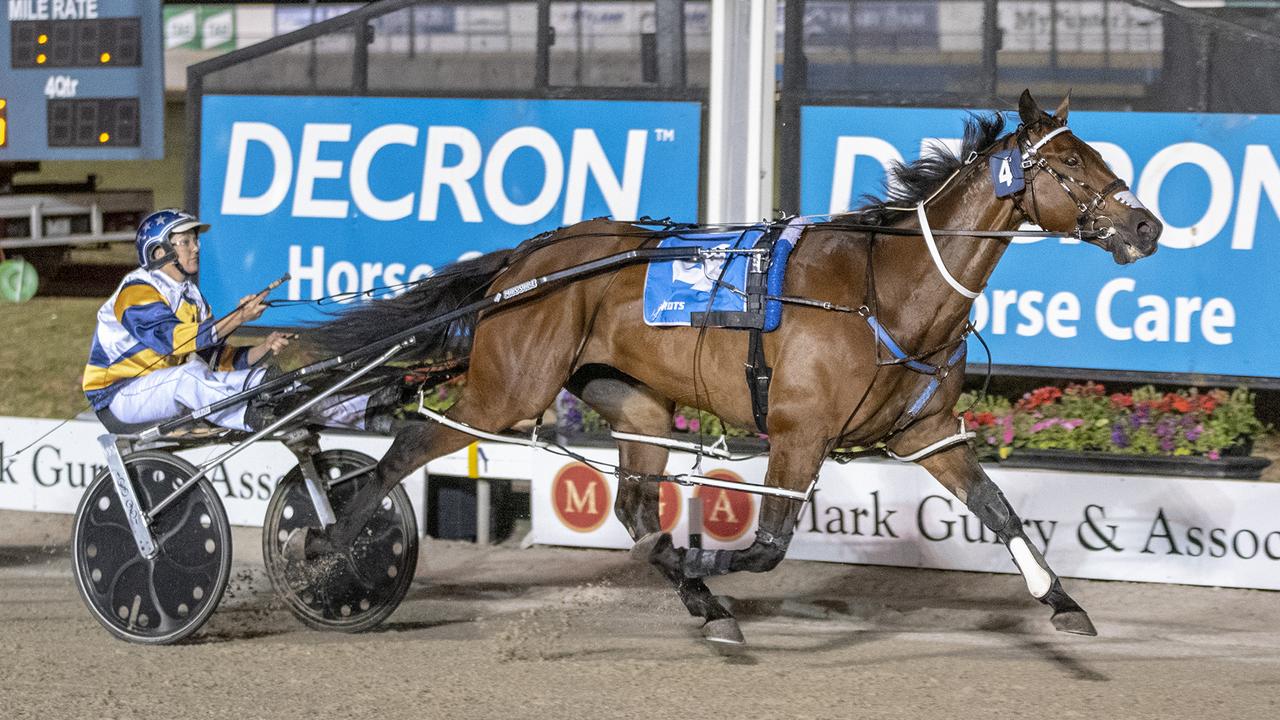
1086 418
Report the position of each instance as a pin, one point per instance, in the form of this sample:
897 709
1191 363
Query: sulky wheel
166 598
358 587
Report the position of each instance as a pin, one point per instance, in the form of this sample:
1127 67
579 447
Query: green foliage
443 396
1144 422
42 358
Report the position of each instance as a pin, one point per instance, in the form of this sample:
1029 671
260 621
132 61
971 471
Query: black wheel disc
166 598
355 588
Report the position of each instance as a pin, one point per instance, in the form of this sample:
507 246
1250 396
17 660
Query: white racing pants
167 393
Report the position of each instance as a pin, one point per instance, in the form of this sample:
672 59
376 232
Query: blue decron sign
349 194
1205 303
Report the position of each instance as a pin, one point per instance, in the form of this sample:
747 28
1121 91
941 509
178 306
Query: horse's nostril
1148 231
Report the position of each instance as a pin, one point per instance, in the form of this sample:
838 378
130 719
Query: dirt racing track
550 632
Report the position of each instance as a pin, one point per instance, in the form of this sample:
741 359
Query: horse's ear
1061 112
1028 109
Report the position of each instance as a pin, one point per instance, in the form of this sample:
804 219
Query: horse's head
1070 189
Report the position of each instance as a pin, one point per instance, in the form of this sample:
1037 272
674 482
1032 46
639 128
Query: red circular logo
580 497
726 514
669 503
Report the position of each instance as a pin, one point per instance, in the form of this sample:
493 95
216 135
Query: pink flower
1008 429
1213 455
1072 424
681 423
695 425
1046 423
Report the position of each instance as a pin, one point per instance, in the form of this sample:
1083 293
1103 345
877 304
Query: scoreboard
81 80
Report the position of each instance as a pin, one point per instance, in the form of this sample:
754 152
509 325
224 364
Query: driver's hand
251 307
275 342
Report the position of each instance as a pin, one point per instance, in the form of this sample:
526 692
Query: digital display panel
81 80
76 43
93 122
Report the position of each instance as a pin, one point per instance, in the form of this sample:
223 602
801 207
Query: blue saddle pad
675 289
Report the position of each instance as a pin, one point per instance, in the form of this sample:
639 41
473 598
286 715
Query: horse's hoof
305 544
1076 622
648 546
295 546
724 630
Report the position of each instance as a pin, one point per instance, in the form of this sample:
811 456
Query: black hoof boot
723 630
1068 616
650 546
1076 622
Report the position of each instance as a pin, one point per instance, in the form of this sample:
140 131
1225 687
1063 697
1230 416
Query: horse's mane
915 182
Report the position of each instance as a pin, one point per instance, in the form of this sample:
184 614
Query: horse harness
759 375
1092 200
767 260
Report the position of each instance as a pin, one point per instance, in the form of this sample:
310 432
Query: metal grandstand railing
1150 55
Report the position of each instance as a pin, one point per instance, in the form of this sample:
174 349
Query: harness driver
158 352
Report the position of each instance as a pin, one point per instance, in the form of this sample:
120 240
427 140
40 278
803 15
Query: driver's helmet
155 231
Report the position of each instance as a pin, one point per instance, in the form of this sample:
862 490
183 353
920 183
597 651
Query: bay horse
830 386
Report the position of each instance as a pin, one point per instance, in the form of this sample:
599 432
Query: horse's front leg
958 470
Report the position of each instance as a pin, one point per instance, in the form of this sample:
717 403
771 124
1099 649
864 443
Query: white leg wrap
1038 580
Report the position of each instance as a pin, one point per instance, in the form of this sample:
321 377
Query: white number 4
1006 173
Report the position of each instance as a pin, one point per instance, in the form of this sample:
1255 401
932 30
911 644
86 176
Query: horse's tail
452 287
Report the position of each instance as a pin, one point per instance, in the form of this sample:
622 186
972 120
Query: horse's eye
1072 160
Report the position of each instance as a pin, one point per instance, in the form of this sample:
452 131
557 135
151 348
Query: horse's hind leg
794 460
793 464
632 407
637 509
484 404
958 470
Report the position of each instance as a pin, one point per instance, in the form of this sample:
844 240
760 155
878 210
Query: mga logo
669 502
580 497
726 514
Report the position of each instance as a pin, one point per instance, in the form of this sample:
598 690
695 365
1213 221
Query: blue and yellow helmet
155 231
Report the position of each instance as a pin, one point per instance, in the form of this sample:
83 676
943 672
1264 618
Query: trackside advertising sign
1111 527
873 512
51 476
1205 303
349 194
